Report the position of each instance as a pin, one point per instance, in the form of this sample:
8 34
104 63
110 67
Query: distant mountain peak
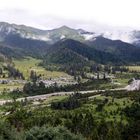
64 27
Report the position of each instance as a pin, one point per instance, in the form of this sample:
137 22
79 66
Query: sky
87 14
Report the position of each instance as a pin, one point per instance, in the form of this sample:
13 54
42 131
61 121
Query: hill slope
125 51
68 52
31 47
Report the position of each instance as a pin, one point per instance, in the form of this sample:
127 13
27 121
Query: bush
7 132
51 133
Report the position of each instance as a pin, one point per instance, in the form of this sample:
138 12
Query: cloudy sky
87 14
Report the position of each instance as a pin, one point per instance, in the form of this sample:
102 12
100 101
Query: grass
134 68
109 109
46 102
9 96
10 86
27 64
122 81
123 78
55 99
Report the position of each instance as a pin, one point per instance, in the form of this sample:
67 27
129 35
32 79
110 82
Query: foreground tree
51 133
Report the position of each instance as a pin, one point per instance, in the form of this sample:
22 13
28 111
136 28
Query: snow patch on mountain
6 30
62 37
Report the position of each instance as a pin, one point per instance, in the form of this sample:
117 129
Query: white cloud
74 13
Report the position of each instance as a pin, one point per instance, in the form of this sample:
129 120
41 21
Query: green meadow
27 64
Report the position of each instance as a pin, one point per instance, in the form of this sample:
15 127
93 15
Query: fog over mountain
129 36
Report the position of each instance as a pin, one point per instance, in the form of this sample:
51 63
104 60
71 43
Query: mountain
23 39
26 32
125 51
7 52
35 48
70 52
52 36
66 46
64 32
22 31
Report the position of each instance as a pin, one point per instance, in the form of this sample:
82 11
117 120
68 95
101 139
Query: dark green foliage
28 47
51 133
133 111
72 102
80 120
14 73
16 93
133 95
132 131
73 55
67 104
33 76
34 88
7 132
100 107
10 52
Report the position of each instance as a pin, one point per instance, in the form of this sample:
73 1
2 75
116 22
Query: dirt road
45 96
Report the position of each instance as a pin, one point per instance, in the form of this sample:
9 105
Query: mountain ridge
54 35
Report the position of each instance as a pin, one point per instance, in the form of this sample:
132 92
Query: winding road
45 96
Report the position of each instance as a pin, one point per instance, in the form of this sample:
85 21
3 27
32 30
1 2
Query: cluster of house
4 81
58 82
7 81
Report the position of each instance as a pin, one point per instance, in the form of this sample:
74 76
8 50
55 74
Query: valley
70 81
29 64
